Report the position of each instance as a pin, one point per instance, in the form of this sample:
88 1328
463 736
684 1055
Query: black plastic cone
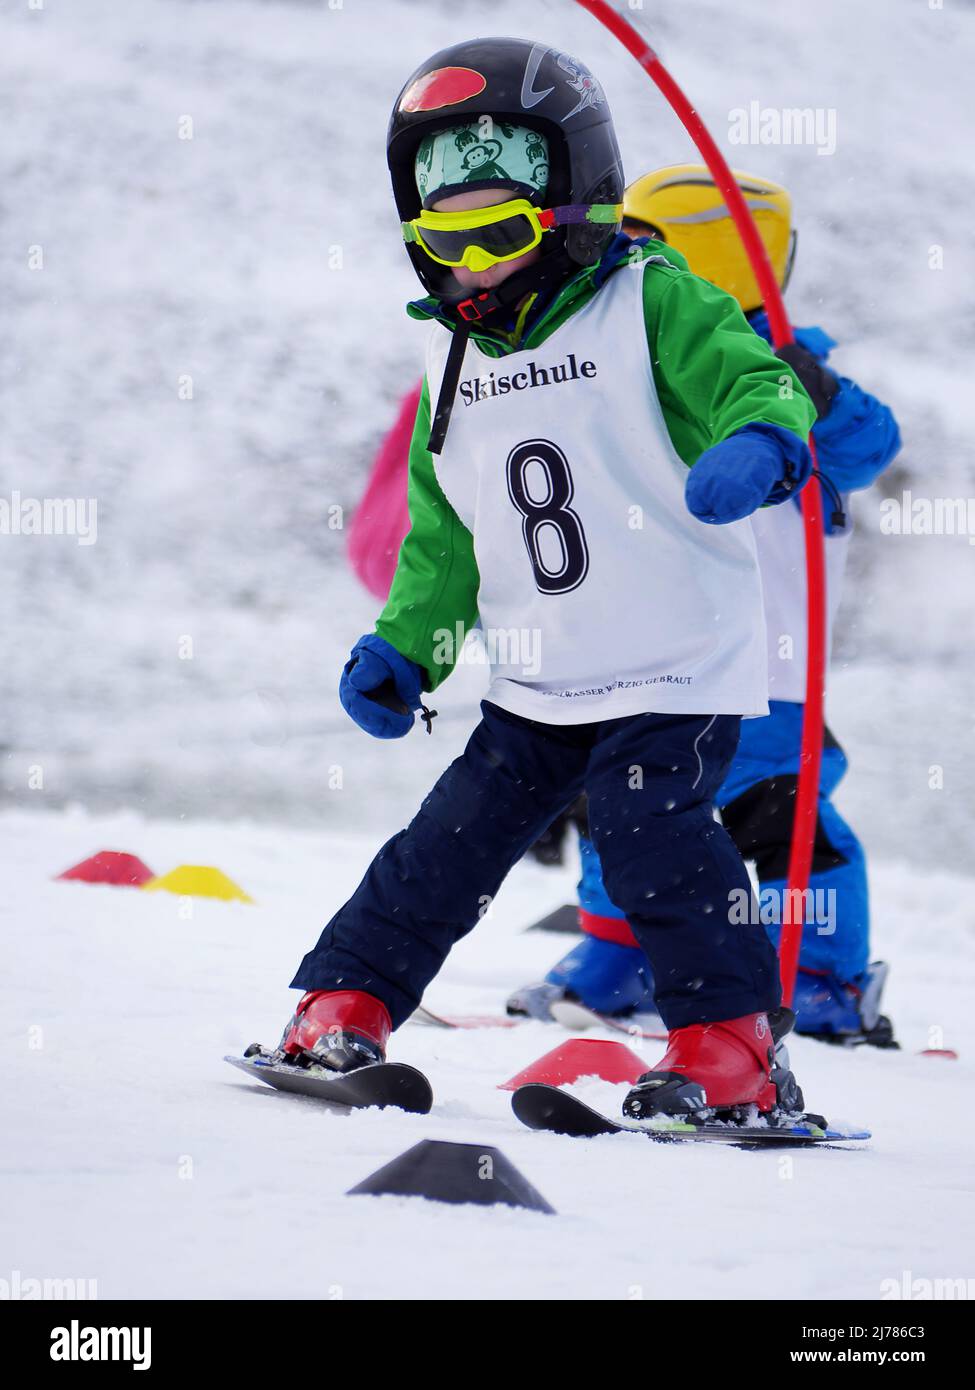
563 919
446 1172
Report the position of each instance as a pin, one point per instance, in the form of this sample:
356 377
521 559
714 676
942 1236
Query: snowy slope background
261 259
167 257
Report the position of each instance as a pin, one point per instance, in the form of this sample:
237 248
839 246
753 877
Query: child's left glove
756 465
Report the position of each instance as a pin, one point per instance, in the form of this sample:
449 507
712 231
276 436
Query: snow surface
134 1156
211 257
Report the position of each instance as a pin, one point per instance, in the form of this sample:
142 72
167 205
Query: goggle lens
509 237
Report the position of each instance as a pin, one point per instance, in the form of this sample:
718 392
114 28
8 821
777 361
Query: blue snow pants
651 780
757 801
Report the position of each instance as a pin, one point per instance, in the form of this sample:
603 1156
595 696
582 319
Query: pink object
382 518
610 1061
110 866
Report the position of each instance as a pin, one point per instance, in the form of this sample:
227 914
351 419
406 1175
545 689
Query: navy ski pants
670 866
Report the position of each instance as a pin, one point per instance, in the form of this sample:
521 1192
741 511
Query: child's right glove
380 688
756 465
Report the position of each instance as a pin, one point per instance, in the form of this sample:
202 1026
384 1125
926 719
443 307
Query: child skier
594 426
838 989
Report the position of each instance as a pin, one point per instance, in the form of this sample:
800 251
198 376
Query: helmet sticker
442 87
579 78
582 81
529 97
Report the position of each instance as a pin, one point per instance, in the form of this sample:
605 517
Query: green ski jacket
713 376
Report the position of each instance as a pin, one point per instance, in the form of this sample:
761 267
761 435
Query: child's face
484 198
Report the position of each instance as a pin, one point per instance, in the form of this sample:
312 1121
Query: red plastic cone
610 1061
111 866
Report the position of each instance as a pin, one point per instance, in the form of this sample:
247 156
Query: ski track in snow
136 1157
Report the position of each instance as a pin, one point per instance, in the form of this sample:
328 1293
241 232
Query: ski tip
540 1106
524 1103
250 1064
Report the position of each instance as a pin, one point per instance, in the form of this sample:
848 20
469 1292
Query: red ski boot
340 1029
724 1066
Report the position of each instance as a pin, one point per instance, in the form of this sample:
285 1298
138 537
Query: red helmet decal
442 87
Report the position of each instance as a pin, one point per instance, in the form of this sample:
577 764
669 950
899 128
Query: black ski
548 1108
382 1084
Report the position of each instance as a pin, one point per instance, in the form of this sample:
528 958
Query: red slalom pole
810 757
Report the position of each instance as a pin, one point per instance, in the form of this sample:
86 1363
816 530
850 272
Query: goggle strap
571 213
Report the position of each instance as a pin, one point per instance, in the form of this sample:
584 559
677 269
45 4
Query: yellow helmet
681 205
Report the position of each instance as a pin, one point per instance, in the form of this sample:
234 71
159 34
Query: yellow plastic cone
197 881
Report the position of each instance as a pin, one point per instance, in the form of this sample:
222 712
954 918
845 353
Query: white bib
781 543
600 595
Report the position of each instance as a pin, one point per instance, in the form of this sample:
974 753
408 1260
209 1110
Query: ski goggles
482 237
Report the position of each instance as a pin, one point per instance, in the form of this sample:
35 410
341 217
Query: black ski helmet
530 84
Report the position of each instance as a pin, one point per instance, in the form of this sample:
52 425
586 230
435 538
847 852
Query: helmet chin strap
467 310
541 275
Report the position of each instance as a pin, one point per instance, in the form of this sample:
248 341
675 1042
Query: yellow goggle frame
446 236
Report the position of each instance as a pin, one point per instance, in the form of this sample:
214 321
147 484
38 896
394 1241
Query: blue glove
753 466
380 689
